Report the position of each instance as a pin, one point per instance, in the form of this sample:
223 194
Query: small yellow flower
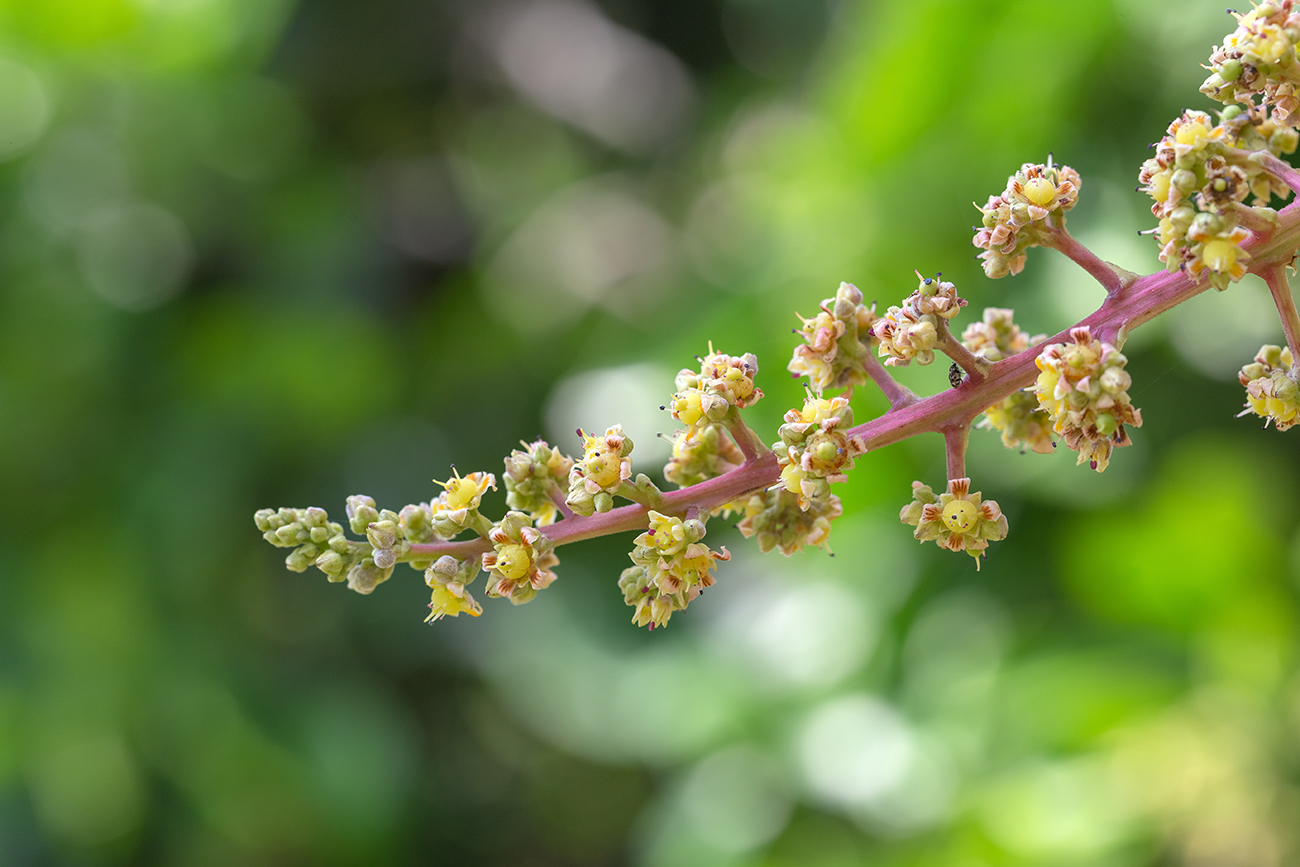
956 519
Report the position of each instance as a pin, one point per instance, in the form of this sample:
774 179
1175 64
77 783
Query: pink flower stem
1103 272
1275 277
1144 299
1279 169
899 395
745 437
976 368
561 502
954 443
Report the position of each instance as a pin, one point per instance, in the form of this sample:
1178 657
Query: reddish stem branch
1279 169
1275 277
954 444
1104 273
745 438
898 395
976 368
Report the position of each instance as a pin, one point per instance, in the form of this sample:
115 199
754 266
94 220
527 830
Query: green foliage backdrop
266 252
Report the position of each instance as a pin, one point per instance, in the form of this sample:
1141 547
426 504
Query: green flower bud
331 563
291 534
366 576
382 534
361 512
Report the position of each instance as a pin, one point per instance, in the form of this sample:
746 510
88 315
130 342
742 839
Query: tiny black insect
954 375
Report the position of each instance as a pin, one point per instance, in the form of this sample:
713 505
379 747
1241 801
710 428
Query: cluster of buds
1272 384
1035 200
1259 59
520 560
1083 387
318 541
603 469
837 340
704 397
448 579
705 456
532 478
912 330
1017 417
816 448
777 520
671 566
956 519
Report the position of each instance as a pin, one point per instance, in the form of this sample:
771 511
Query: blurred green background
265 252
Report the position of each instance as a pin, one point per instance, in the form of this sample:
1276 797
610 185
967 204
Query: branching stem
898 395
1275 277
1103 272
1269 163
746 439
1141 300
976 368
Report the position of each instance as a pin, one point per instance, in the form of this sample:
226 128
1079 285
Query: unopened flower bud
367 575
361 512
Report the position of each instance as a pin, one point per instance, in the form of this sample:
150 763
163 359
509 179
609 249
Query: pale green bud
331 563
366 576
382 534
361 512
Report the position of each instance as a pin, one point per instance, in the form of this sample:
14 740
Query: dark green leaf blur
276 252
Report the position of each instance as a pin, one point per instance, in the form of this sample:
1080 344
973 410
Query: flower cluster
1022 422
1259 59
1199 181
912 330
310 533
671 566
956 519
837 340
448 579
532 478
1018 417
997 336
1191 182
1084 389
520 560
705 396
1272 384
816 448
1035 200
603 469
776 518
